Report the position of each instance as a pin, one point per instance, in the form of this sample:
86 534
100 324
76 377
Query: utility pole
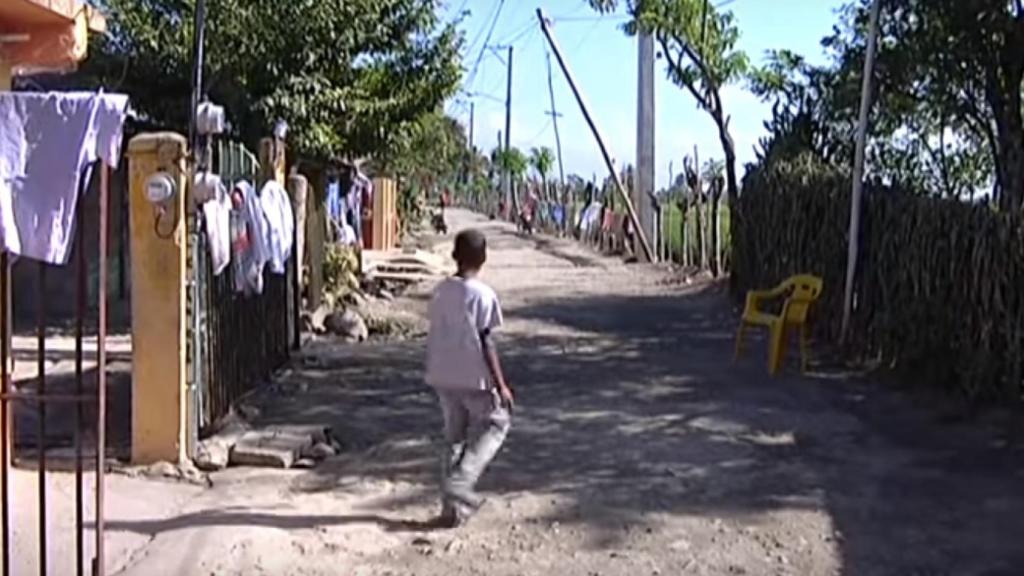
472 125
643 182
858 170
500 195
564 193
641 233
554 122
510 197
471 153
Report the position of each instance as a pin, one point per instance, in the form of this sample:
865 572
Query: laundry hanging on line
47 140
254 229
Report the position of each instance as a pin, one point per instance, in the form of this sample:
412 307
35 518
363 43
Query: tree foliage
698 44
947 109
542 159
512 160
432 149
343 73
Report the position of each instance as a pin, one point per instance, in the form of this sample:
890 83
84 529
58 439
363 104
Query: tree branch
677 67
698 61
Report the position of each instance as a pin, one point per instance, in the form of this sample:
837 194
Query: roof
49 12
46 34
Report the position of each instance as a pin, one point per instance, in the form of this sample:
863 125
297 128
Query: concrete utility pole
563 195
643 185
554 122
641 233
509 196
858 169
472 124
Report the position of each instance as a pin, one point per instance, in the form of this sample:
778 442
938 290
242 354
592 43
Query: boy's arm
494 366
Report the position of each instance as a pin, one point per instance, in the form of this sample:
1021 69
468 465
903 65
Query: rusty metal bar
101 374
5 428
41 413
44 398
80 293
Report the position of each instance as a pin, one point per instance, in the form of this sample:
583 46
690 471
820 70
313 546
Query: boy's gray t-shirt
460 311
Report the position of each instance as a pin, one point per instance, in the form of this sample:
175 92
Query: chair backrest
804 290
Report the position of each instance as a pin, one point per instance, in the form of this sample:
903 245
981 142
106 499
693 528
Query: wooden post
316 238
640 232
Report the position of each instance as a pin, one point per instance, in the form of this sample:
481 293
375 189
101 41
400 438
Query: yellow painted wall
5 76
6 435
158 304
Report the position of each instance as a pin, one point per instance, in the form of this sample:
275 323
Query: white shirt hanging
256 252
277 208
47 140
217 213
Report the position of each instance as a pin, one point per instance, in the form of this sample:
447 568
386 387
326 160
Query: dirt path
639 448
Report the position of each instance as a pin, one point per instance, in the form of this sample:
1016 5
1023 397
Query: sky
604 63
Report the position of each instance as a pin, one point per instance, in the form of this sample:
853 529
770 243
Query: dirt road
638 448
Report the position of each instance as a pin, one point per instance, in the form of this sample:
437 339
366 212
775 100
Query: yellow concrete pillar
158 243
6 75
6 435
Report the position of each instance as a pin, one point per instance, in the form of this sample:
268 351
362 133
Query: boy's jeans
475 425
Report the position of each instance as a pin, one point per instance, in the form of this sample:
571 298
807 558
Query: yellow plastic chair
801 292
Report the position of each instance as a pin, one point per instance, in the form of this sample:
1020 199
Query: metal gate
33 389
239 340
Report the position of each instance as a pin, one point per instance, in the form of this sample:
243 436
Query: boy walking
464 370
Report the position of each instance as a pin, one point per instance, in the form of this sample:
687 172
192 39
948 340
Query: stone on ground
212 455
347 324
268 448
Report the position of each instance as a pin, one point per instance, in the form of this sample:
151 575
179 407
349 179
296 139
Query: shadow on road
631 410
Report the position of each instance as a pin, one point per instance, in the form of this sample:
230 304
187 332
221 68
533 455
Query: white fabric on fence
277 208
47 140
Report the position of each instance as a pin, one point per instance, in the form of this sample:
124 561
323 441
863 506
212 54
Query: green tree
344 74
949 104
542 159
698 42
431 150
513 161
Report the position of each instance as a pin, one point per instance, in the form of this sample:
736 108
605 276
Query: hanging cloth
46 142
217 213
277 208
253 253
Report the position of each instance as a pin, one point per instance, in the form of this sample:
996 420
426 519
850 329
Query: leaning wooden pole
853 248
639 230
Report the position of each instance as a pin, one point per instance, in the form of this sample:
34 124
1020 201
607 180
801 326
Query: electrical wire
540 133
487 40
479 34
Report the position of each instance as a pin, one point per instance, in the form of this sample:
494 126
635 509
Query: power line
487 40
586 36
479 34
540 133
606 18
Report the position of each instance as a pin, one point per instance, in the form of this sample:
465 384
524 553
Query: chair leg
777 349
739 341
803 349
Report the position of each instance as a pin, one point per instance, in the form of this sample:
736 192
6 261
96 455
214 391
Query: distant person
464 369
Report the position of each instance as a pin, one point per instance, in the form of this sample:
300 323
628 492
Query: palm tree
516 164
542 159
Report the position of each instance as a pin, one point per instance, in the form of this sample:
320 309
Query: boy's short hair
470 249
